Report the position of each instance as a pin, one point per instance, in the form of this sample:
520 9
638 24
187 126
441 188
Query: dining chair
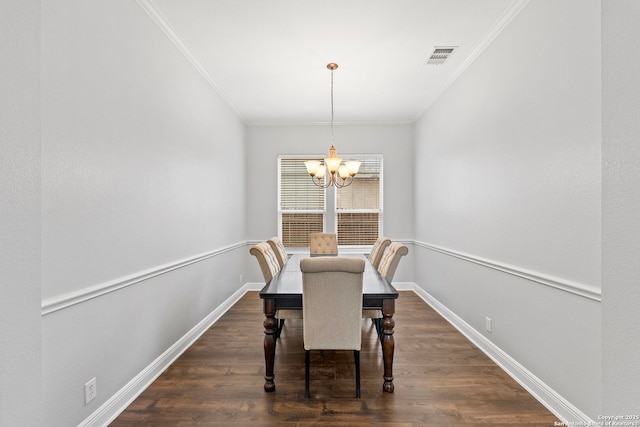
374 257
323 244
387 268
332 302
280 251
267 260
377 250
270 266
391 259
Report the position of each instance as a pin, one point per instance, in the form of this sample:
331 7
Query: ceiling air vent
440 55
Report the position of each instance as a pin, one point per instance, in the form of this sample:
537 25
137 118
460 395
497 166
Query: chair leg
306 375
279 328
378 323
356 356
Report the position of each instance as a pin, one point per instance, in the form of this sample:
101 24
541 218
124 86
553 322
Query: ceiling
268 59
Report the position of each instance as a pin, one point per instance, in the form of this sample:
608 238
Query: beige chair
387 268
332 302
391 259
267 260
323 244
374 257
280 251
378 249
270 266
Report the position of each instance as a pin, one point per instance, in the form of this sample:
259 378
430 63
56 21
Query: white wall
510 181
20 344
621 207
394 142
137 151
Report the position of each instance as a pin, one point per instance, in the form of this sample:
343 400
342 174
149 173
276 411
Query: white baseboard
106 413
553 401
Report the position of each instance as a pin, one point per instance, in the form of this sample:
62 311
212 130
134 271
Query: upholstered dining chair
269 265
267 260
323 244
391 259
387 268
374 257
279 250
377 250
332 302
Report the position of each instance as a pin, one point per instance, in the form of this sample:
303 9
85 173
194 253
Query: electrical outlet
90 390
241 279
487 324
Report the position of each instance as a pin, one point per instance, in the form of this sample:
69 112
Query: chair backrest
279 250
391 259
267 260
378 249
332 302
323 244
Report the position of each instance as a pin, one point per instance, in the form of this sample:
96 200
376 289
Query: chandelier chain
332 137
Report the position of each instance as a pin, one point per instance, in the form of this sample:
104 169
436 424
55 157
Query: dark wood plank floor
441 379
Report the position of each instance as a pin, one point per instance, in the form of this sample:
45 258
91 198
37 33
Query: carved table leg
269 343
388 345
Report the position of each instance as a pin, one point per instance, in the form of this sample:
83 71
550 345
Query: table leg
388 344
269 324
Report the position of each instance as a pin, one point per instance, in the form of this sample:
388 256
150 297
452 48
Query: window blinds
301 204
359 206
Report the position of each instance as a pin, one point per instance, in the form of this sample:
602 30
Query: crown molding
502 22
158 18
343 123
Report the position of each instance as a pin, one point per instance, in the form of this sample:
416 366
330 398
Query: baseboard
554 402
106 413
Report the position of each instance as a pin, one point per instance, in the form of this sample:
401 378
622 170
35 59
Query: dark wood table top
288 282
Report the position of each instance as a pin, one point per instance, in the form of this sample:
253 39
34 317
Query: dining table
284 292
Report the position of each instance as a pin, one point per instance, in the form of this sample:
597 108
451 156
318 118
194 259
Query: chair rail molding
580 289
54 304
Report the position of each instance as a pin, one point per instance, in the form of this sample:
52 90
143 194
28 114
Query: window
301 205
353 212
359 206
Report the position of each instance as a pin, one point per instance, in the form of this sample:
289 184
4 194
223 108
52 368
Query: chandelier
333 171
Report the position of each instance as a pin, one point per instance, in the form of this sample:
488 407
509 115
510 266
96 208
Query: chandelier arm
318 182
345 182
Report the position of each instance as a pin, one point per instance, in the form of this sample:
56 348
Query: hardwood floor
441 379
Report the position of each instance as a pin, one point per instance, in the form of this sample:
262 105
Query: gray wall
508 196
20 337
621 207
137 149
